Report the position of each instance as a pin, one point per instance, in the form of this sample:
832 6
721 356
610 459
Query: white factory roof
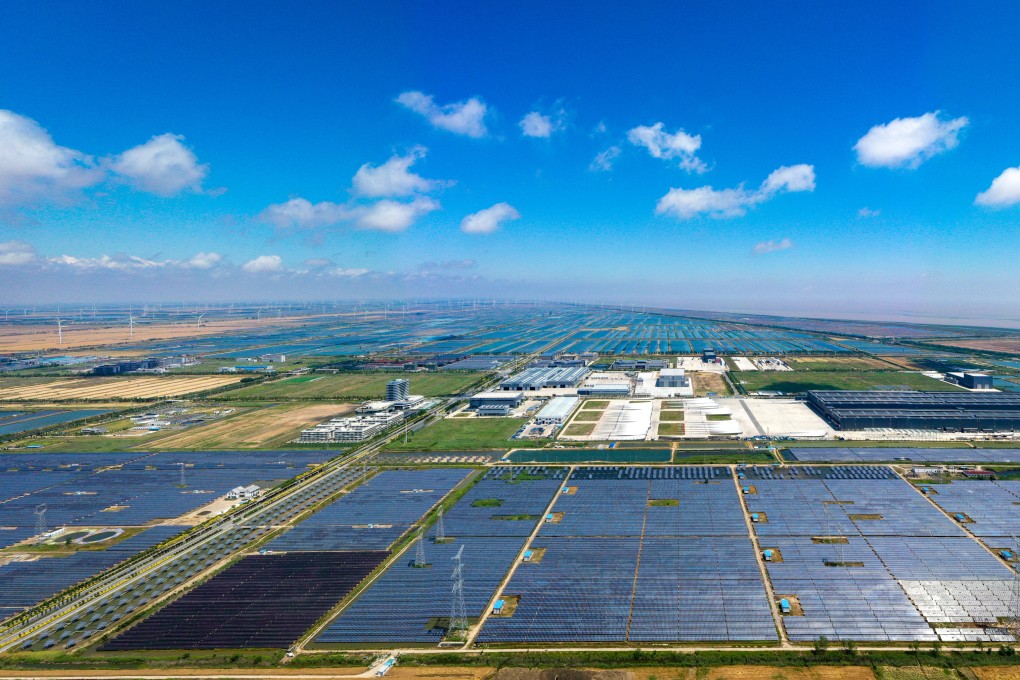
497 395
559 407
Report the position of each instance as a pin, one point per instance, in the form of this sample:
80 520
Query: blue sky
784 157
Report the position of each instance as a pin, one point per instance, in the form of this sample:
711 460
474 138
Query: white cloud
161 166
661 144
393 216
202 261
790 178
908 142
603 161
384 215
868 212
535 124
447 265
117 262
1004 191
489 220
300 213
264 264
463 118
393 178
16 254
772 246
351 273
33 168
723 203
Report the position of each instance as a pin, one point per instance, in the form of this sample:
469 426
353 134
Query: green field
462 434
721 457
791 382
615 455
367 385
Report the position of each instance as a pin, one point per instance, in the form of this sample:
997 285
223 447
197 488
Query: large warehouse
534 379
951 411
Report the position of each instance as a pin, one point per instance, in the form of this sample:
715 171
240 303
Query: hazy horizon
836 162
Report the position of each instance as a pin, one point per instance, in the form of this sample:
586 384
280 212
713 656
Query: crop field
367 385
837 363
91 389
268 427
792 382
462 434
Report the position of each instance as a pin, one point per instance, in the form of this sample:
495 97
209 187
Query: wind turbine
131 325
199 322
60 331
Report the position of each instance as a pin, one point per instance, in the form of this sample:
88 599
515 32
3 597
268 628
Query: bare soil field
705 382
91 389
1007 345
259 428
21 338
778 673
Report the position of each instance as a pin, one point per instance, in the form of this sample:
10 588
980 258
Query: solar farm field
375 514
91 389
795 382
867 557
666 557
461 434
263 601
112 490
13 422
264 427
367 385
857 454
412 604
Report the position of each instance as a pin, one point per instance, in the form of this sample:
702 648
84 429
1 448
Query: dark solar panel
263 601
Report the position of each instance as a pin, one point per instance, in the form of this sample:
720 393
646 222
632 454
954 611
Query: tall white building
398 390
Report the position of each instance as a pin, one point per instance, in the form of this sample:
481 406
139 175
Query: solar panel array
881 454
640 554
375 514
861 602
263 601
114 489
410 604
26 583
868 558
992 508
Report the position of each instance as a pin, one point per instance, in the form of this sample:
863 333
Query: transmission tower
458 614
440 529
40 519
419 553
834 535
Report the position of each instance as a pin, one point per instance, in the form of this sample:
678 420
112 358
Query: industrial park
665 482
492 341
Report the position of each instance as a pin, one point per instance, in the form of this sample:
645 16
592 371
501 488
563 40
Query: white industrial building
351 429
557 411
509 399
244 492
668 383
534 379
624 420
